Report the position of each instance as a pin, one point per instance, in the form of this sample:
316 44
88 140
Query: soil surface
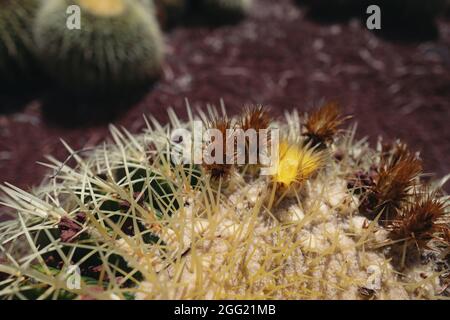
277 57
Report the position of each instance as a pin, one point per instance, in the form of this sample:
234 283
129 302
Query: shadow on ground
68 110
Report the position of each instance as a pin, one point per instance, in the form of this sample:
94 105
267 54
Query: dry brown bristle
393 153
323 124
255 117
218 170
391 188
446 235
421 221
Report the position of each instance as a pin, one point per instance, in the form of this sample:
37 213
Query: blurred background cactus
118 46
411 11
400 18
226 9
16 41
171 11
334 9
413 18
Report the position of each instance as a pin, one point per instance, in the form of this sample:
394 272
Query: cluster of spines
298 160
323 125
255 118
223 169
393 194
305 154
421 220
415 219
394 181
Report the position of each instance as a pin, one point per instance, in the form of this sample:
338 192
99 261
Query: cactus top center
103 7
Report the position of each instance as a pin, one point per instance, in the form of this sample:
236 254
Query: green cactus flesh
16 40
119 44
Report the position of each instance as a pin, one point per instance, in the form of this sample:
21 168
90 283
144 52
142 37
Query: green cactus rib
109 51
16 41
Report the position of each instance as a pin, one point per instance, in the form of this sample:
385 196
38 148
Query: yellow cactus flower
296 164
104 7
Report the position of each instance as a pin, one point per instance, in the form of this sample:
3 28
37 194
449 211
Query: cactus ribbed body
118 45
16 41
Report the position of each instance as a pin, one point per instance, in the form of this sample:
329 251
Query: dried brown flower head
422 220
70 228
323 124
220 170
392 185
394 152
255 118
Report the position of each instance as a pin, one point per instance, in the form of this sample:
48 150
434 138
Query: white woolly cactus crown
138 226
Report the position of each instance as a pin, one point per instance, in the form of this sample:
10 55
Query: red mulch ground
277 57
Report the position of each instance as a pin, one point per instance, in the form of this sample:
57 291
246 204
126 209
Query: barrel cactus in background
171 11
119 44
416 10
334 219
400 19
224 10
16 40
398 13
414 19
335 8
